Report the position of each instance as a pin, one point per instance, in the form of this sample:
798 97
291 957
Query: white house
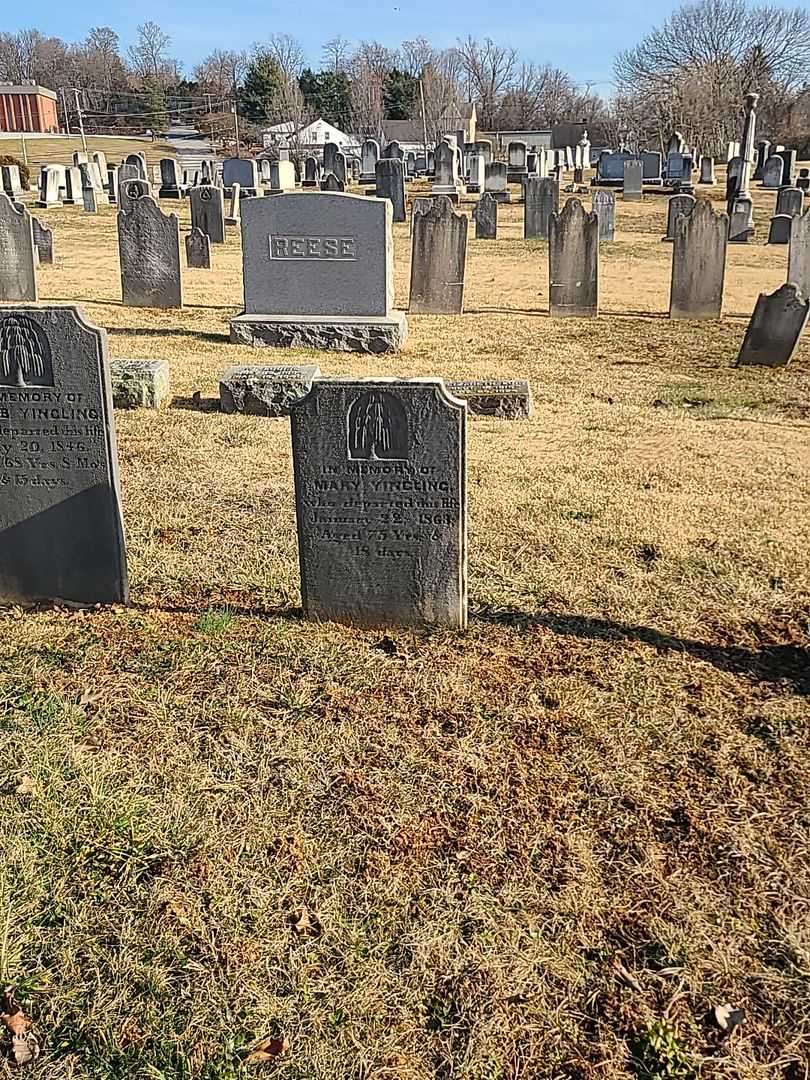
312 138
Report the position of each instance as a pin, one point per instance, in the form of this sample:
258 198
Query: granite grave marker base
61 532
495 399
380 491
265 390
139 384
338 333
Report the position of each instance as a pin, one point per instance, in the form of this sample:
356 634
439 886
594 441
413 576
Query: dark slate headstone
169 179
779 231
208 212
542 199
43 242
789 158
330 152
486 217
312 173
789 201
495 181
265 390
651 165
733 176
677 205
763 153
18 279
149 252
775 328
603 205
438 259
380 495
573 262
391 185
61 533
394 150
198 250
331 182
241 171
129 191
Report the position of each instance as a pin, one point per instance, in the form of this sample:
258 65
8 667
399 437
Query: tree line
689 74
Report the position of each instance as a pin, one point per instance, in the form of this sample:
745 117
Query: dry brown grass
610 766
59 149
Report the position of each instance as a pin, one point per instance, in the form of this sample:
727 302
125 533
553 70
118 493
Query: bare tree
149 57
288 53
336 52
366 95
221 72
489 71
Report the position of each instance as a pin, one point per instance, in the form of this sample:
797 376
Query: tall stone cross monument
741 206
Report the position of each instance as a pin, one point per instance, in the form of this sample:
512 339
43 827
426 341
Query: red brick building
27 108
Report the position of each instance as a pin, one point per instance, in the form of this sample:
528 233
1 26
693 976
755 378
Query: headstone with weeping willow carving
61 533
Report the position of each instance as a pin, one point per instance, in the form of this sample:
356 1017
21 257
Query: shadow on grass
772 663
204 604
196 404
169 331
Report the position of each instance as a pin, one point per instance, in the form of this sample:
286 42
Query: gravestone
112 185
438 260
394 150
11 184
498 399
91 178
241 171
706 170
73 186
734 171
477 177
789 172
679 170
139 384
61 533
789 201
773 172
208 212
486 217
516 162
631 189
198 250
799 257
137 162
447 178
610 167
779 231
603 205
484 146
265 390
380 491
318 272
775 328
149 251
391 185
330 182
410 165
369 156
89 200
264 170
49 187
43 241
651 165
340 167
763 153
282 176
131 190
312 172
169 179
330 152
803 180
677 205
79 158
698 263
495 181
542 199
235 208
99 159
573 262
18 279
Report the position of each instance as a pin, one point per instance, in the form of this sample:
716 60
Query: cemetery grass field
49 150
544 848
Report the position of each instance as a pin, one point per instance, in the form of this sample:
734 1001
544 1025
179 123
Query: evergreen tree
264 82
400 94
327 94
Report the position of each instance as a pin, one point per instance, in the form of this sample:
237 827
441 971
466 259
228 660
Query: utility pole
236 125
65 110
424 119
81 121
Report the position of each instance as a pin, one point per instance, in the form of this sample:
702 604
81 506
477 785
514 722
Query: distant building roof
403 131
27 88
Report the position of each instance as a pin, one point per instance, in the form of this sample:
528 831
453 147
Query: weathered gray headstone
112 185
11 183
706 170
573 262
18 278
677 205
208 212
698 263
495 181
542 199
603 205
610 167
333 183
497 399
73 186
734 171
198 250
789 201
438 260
330 152
486 217
394 150
241 171
633 173
318 272
61 533
312 173
369 156
340 167
43 241
391 185
477 178
89 200
139 384
265 390
763 153
516 161
775 328
380 495
651 166
773 172
799 257
49 186
149 251
235 207
129 191
137 162
447 176
779 230
789 158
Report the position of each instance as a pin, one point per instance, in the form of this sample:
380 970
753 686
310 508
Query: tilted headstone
603 205
495 181
43 242
332 183
773 172
369 156
169 179
149 251
18 278
632 180
775 328
208 212
799 256
779 229
198 250
438 260
129 191
698 263
677 205
318 272
706 170
789 201
391 185
573 262
542 199
241 171
61 532
380 492
265 390
50 179
486 217
312 173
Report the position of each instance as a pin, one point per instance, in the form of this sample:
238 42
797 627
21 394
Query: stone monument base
338 333
367 178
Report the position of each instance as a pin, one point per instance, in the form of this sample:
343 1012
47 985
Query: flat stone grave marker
496 399
603 205
208 212
779 229
775 328
198 250
799 256
542 199
380 490
486 217
438 260
677 205
265 390
573 260
391 185
318 272
139 384
698 263
18 278
149 251
61 533
789 201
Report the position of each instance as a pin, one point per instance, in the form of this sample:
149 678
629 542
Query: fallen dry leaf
27 786
728 1018
24 1045
267 1050
304 924
625 976
90 698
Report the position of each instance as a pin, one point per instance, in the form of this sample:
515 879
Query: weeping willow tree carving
24 353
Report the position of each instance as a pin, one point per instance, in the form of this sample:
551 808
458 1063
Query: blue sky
582 42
